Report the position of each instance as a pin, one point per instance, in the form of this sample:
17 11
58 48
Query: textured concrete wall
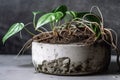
12 11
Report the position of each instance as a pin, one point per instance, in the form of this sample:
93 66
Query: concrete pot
70 59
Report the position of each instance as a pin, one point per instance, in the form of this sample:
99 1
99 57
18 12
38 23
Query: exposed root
116 36
25 46
73 33
85 26
111 38
91 10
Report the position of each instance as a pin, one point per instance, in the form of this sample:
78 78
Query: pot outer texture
70 59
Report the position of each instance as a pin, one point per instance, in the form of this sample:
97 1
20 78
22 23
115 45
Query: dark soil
65 36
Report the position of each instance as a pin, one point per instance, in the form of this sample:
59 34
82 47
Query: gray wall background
12 11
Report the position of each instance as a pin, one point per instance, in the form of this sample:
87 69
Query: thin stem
44 29
52 25
28 23
39 30
29 31
34 21
20 35
34 25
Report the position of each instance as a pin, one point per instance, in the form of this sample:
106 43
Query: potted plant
77 44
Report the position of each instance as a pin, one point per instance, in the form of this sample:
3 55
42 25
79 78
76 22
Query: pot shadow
26 65
112 70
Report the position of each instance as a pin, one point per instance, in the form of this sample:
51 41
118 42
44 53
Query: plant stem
29 31
51 25
20 35
35 25
34 21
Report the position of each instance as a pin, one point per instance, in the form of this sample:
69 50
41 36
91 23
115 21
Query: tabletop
21 68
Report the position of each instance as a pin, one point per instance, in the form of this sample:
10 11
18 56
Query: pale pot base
81 60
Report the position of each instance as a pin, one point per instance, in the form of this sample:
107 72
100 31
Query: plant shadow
26 65
112 70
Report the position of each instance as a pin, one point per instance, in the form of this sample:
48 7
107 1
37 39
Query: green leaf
69 16
15 28
81 14
34 18
61 8
72 13
37 12
49 17
96 29
58 16
93 18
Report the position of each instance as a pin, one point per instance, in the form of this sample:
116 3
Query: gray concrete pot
70 59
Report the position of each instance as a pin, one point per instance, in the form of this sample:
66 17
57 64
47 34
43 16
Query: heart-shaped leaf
69 16
72 13
92 18
81 14
61 8
49 17
34 18
15 28
96 29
